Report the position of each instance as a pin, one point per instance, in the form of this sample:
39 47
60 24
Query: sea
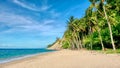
8 55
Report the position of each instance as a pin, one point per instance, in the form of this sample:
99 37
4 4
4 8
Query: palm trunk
76 43
101 41
79 41
91 38
69 42
76 40
72 44
110 29
73 39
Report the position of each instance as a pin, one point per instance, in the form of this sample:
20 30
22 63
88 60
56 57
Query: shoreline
20 58
66 59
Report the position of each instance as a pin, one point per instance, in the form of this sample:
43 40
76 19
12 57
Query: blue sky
36 23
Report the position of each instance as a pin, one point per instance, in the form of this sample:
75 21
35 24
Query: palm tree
89 23
75 27
109 25
79 27
95 18
102 6
71 31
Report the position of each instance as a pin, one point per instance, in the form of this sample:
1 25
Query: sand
67 59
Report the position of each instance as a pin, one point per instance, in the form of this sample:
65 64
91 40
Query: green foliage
92 30
109 51
65 45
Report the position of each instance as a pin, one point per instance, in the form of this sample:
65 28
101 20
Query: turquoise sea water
7 55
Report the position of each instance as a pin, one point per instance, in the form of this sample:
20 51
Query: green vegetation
109 51
99 29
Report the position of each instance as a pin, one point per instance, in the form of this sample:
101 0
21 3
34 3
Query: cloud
30 24
48 22
72 10
54 14
19 23
32 7
80 10
12 19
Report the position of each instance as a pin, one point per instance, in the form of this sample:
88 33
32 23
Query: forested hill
98 29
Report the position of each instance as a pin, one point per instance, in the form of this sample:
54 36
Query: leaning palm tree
96 21
79 28
89 23
103 9
108 22
71 33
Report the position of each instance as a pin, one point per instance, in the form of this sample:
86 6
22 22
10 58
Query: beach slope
67 59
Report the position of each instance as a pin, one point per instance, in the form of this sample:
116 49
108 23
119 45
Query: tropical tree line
98 29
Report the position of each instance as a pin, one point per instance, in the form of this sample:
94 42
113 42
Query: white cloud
54 14
46 22
25 24
19 23
33 7
12 19
71 10
44 8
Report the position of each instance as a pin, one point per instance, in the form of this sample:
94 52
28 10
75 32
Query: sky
36 23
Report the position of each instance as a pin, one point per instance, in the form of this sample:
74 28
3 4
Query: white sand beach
67 59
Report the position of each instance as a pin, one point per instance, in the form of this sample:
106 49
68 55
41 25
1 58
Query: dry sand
67 59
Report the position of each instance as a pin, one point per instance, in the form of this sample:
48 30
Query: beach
67 59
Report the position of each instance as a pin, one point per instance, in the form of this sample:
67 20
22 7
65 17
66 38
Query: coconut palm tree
90 24
109 25
103 9
71 33
96 21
